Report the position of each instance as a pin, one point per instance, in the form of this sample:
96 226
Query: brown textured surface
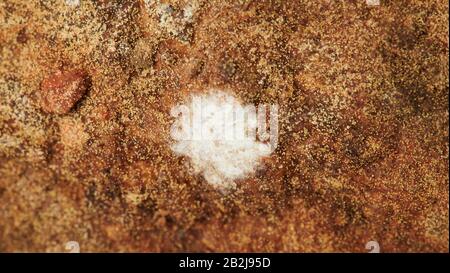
62 90
363 151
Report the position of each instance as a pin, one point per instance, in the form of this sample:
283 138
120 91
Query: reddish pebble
62 90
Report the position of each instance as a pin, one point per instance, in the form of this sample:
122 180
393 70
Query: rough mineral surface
363 137
218 136
60 91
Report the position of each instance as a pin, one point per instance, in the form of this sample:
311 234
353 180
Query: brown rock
62 90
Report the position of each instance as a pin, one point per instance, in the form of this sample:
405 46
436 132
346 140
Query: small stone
62 90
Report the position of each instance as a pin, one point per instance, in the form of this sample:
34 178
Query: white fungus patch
210 133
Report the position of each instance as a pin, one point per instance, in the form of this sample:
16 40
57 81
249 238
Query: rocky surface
62 90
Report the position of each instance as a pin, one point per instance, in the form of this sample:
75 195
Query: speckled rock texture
363 136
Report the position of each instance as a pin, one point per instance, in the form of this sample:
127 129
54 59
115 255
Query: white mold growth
218 134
